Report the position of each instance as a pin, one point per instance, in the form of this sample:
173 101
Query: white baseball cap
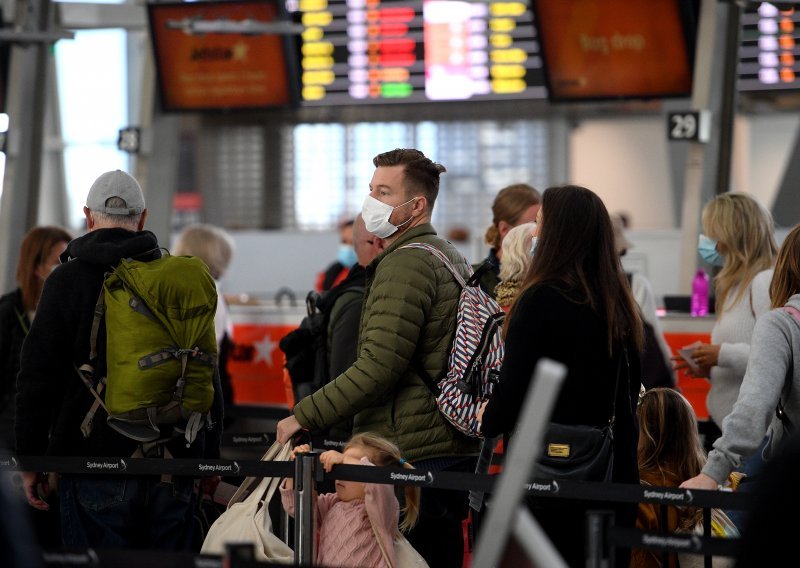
116 184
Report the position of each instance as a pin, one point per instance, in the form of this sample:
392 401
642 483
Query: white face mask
376 217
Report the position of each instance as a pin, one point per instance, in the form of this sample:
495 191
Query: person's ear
420 205
89 219
142 220
503 228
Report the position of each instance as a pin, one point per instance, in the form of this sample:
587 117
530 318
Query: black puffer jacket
52 401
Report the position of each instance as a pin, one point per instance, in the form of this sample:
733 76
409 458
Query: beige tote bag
247 520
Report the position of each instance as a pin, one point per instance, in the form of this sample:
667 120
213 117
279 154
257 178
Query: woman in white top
739 238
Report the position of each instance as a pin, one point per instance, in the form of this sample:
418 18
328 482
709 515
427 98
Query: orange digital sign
218 56
602 49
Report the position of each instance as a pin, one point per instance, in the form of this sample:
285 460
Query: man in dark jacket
344 321
407 324
97 510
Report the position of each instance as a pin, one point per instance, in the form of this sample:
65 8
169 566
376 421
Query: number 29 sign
690 126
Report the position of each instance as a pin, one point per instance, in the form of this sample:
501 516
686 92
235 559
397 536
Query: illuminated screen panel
372 51
768 52
217 56
612 49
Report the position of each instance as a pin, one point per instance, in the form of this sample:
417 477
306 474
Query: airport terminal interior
262 117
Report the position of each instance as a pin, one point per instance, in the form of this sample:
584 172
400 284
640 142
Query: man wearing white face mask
407 326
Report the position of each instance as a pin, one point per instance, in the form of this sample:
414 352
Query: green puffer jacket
409 314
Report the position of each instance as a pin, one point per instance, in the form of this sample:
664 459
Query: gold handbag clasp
558 450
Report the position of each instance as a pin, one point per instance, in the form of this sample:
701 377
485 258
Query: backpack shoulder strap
441 256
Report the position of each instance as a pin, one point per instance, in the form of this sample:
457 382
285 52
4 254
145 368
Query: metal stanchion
285 527
304 473
598 553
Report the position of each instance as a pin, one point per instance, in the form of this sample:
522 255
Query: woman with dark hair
575 307
38 256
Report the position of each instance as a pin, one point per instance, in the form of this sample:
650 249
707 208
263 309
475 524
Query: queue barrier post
598 552
304 484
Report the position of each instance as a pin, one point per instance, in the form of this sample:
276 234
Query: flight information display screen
768 49
373 51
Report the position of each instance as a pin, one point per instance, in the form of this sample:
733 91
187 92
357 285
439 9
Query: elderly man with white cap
99 511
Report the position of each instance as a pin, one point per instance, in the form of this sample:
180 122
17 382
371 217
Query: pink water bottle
700 293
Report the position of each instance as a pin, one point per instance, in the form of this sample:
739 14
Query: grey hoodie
770 377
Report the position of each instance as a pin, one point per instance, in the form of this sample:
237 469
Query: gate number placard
692 126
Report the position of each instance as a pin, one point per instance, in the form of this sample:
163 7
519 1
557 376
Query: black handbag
580 452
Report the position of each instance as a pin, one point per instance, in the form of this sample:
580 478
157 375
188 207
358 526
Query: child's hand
330 458
301 449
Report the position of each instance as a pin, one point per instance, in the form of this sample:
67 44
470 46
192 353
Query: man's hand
700 481
287 428
35 484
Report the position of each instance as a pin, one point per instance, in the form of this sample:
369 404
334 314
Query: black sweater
52 401
14 324
545 323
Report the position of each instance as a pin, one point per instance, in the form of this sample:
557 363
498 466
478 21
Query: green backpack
160 348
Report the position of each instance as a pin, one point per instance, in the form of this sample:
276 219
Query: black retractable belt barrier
255 411
306 474
691 543
148 466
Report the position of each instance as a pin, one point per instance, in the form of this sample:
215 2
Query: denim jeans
117 511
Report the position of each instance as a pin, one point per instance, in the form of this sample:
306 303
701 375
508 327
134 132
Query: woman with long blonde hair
738 238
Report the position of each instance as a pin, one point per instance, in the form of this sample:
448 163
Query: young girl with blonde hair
356 526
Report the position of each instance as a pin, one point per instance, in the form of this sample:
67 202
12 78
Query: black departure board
768 52
373 51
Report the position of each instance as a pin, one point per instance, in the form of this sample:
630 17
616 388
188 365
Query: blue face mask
708 251
534 242
346 255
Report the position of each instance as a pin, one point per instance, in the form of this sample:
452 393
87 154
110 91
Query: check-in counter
681 329
256 363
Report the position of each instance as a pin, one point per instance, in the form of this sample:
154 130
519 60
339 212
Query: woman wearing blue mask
739 238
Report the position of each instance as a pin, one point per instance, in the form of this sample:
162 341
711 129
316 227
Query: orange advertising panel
256 364
694 389
601 49
218 56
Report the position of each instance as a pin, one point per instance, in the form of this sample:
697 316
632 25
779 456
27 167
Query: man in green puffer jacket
407 323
